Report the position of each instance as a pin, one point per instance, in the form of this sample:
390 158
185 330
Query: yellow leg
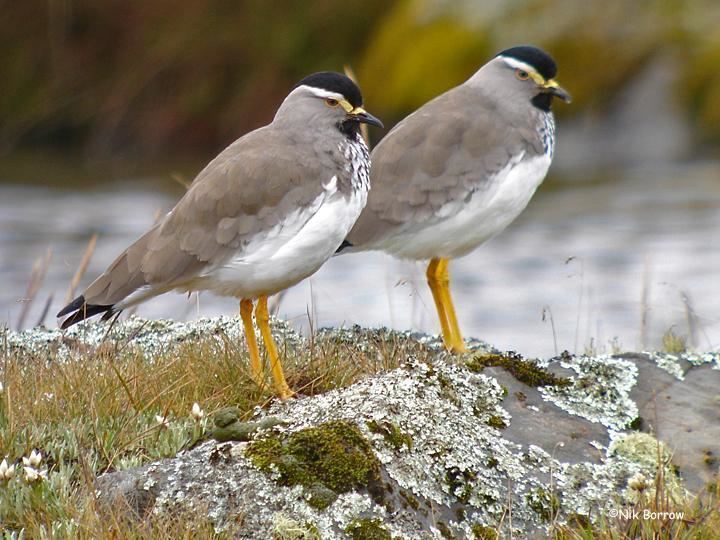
458 343
246 310
435 289
438 279
263 319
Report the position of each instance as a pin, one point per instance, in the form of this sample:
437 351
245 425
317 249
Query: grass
654 516
98 412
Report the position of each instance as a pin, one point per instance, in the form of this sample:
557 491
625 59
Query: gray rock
459 470
452 443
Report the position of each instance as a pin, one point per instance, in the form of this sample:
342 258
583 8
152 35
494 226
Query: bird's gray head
523 72
326 100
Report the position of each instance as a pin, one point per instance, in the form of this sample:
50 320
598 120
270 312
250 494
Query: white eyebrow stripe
517 64
325 94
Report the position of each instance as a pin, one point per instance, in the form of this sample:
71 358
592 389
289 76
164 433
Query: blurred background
108 108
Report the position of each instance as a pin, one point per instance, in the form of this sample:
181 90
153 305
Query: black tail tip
81 311
72 306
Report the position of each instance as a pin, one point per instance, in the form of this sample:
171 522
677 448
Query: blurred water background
107 108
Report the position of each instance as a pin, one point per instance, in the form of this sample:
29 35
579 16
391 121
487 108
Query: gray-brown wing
435 159
245 192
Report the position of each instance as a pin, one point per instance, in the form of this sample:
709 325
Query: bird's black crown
334 82
537 58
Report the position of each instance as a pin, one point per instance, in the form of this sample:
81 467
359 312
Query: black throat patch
542 101
350 128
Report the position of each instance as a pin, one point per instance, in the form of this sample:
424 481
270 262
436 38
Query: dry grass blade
275 302
44 312
37 277
82 268
180 179
548 316
644 305
126 388
691 318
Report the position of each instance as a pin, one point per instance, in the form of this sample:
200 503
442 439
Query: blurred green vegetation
164 77
163 74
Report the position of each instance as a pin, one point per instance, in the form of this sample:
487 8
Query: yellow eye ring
330 102
522 74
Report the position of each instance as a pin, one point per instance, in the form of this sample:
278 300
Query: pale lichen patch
675 363
148 337
600 391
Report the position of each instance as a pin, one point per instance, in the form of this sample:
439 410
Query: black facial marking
350 128
543 101
334 82
537 58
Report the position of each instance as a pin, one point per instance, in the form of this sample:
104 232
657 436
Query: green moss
445 530
483 532
228 427
367 529
580 521
447 390
410 499
545 504
391 433
460 483
497 422
320 496
525 371
327 460
486 499
492 463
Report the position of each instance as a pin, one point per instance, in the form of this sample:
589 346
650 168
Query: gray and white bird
263 215
460 169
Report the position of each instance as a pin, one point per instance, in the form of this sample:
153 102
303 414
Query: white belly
290 255
486 214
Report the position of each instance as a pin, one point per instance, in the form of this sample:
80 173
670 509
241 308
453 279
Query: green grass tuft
391 433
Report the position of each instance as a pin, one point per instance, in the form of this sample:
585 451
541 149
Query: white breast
487 213
293 250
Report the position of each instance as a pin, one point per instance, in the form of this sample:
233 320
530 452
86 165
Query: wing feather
242 195
434 160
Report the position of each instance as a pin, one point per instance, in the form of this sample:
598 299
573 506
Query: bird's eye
330 102
522 74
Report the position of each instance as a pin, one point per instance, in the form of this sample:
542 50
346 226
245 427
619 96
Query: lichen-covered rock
440 447
428 450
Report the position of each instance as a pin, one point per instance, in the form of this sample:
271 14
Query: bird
460 169
263 215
